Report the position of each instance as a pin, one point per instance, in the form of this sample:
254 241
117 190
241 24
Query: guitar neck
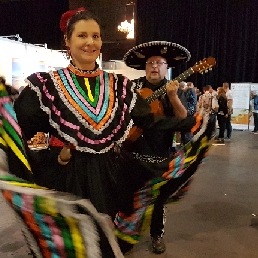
162 90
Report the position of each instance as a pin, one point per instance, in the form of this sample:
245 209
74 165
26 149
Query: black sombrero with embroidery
175 54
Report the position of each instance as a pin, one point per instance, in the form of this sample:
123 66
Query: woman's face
85 44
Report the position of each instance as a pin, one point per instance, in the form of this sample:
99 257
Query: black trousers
157 220
212 122
228 126
222 125
255 115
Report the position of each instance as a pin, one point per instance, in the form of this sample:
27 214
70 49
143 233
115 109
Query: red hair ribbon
67 16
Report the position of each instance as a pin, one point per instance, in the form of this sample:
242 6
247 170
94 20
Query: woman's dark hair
2 80
12 92
81 15
206 87
221 92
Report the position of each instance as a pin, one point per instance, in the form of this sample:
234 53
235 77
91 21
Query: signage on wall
241 104
18 75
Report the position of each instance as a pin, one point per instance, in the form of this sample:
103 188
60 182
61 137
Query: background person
222 114
191 100
155 58
254 107
229 96
208 104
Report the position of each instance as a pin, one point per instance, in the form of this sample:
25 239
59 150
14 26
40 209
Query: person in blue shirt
254 97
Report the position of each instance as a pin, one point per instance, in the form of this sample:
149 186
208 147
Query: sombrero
175 54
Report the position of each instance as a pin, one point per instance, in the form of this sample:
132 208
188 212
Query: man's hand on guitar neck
172 88
178 108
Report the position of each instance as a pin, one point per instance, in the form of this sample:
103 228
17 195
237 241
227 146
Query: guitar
152 97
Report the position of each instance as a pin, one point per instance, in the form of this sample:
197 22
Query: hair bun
67 16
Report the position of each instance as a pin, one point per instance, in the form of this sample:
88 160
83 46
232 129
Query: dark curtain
224 29
36 21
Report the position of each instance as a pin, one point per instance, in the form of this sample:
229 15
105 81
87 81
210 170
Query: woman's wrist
61 161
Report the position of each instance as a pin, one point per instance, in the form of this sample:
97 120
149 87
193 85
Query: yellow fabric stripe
76 237
147 219
2 87
49 207
126 237
16 150
204 144
88 89
3 142
158 185
30 185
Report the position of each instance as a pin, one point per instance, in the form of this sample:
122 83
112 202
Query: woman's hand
65 155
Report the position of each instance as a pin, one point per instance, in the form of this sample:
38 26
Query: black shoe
158 245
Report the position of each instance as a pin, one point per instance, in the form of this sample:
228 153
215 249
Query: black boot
158 245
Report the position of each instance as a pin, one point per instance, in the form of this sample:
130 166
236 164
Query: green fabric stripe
13 179
3 93
66 235
61 223
97 89
13 134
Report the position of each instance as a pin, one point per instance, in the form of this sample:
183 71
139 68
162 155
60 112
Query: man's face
225 87
190 85
156 69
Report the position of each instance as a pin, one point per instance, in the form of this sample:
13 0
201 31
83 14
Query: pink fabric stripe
108 138
70 125
124 87
101 95
4 100
45 90
63 121
56 111
83 138
11 120
71 83
47 93
27 203
56 235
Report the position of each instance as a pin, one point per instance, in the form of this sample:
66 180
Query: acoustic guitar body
156 108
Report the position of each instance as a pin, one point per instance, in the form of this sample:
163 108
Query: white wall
119 67
18 60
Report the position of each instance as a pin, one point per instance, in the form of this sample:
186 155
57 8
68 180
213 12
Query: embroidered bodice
90 109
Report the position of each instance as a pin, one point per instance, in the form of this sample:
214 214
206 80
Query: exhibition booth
18 60
241 119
